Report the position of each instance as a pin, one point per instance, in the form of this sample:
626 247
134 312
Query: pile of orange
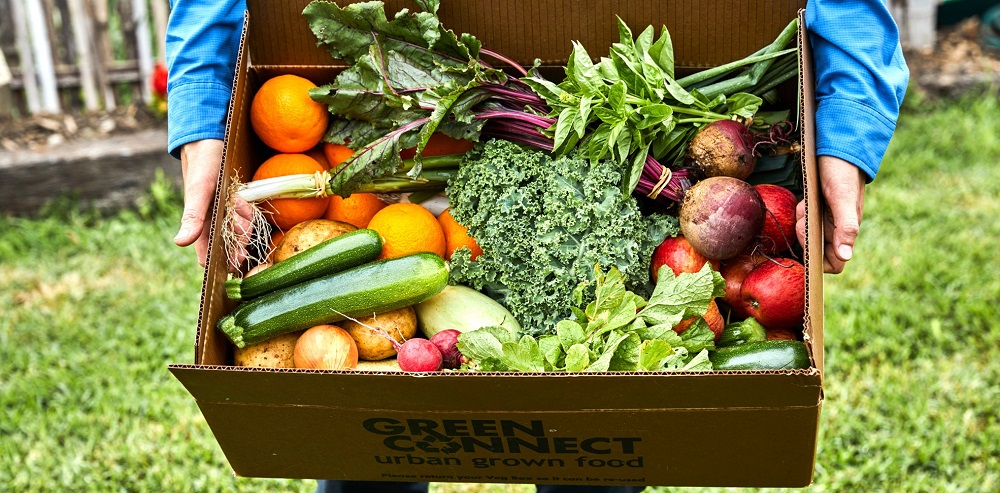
406 229
358 209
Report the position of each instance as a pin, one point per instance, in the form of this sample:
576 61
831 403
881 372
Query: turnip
419 355
721 216
723 148
447 342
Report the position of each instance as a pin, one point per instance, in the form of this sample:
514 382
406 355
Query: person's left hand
843 187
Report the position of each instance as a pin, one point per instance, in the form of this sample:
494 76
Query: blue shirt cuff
196 111
853 132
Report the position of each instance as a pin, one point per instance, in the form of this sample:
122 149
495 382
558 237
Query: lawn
93 309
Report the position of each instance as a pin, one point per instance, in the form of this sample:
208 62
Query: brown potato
401 324
387 365
308 234
272 353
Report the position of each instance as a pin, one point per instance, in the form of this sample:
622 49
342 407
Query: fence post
84 59
27 64
39 33
143 49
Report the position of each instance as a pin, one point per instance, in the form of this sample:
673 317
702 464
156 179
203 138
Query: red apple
678 253
734 271
775 293
778 234
781 334
713 317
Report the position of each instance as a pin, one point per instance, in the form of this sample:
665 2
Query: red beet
721 216
447 342
723 148
419 355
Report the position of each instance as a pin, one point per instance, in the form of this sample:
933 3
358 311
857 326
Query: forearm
202 43
861 79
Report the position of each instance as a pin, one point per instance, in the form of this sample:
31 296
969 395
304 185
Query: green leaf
577 358
635 170
607 115
644 42
662 52
524 355
569 333
653 353
581 71
616 97
743 104
626 356
551 350
603 363
678 297
485 343
699 362
698 337
565 137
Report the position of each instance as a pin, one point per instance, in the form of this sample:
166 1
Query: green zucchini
371 288
761 355
333 255
749 330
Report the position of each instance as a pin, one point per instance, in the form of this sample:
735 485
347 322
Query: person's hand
201 162
843 187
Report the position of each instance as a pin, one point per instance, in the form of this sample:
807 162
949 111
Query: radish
419 355
447 342
721 216
723 148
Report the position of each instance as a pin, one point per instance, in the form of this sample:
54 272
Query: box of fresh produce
518 242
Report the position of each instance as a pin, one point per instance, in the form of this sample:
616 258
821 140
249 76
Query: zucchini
463 309
761 355
370 288
749 330
330 256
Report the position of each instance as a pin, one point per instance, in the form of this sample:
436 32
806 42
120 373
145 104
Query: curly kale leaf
543 225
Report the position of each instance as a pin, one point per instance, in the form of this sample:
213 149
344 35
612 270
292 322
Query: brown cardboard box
711 429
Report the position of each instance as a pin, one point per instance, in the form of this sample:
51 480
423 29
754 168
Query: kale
543 224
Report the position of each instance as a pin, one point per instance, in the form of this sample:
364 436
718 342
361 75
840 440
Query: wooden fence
78 55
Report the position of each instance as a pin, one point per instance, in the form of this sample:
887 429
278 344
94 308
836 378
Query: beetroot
723 148
447 342
419 355
721 216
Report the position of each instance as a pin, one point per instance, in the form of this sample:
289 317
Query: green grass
93 309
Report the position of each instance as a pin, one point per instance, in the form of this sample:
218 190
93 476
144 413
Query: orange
456 236
318 154
337 153
406 229
285 117
358 209
285 213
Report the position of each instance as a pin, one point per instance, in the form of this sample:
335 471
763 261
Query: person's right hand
201 162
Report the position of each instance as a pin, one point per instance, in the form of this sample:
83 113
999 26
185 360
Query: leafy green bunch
543 223
617 330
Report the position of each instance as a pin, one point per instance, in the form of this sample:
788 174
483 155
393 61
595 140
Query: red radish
778 234
447 342
723 148
419 355
721 216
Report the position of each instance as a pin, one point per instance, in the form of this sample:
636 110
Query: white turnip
721 216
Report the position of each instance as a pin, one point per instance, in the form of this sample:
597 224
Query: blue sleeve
861 78
202 45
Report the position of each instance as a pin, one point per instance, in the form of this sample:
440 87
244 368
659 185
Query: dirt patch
40 131
958 62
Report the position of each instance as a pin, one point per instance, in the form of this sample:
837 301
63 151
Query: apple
713 317
774 293
734 271
678 253
778 234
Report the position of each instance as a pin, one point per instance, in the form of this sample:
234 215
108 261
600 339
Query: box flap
813 254
704 33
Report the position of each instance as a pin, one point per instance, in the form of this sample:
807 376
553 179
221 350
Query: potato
257 269
387 365
308 234
401 324
272 353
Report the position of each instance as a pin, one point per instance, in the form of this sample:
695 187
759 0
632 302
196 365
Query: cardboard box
689 429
